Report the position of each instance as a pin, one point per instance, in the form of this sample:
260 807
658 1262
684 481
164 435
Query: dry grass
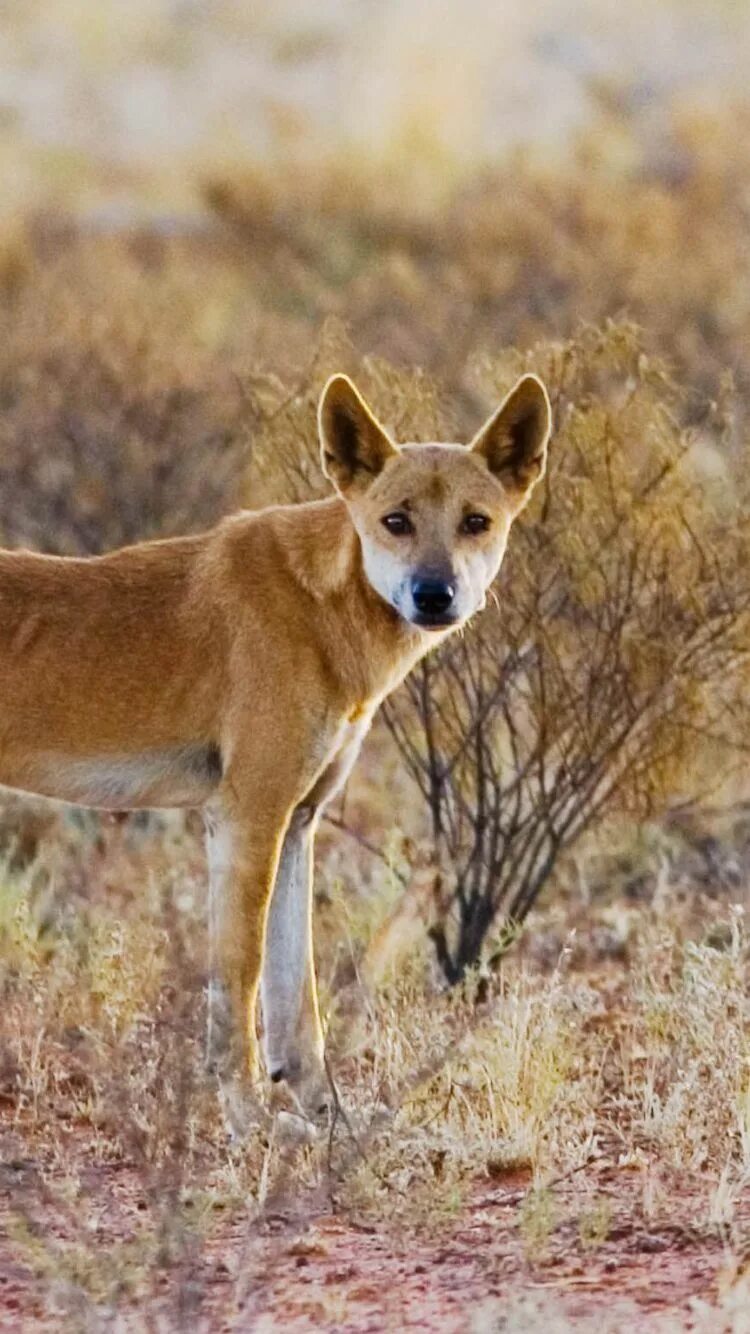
124 1197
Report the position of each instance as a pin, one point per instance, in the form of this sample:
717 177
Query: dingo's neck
362 634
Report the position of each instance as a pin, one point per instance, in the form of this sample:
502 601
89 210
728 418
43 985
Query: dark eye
398 523
475 523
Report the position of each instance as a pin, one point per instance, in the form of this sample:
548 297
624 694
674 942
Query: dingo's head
433 520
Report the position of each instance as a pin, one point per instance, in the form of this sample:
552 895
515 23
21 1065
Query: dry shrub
609 666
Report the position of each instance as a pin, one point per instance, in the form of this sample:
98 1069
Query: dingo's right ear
354 446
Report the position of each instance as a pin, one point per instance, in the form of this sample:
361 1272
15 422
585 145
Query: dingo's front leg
293 1037
243 861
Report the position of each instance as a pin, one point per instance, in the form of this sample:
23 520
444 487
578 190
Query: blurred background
115 110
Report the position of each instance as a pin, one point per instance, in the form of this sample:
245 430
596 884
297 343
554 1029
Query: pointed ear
514 440
354 446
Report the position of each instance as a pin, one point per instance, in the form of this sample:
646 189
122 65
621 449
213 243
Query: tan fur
239 671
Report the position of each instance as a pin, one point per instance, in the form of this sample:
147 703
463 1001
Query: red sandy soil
321 1271
333 1275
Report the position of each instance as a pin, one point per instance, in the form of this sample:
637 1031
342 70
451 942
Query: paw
306 1083
242 1108
295 1130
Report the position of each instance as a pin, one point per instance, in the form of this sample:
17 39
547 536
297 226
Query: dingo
239 671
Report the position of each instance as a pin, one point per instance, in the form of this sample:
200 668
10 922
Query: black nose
432 597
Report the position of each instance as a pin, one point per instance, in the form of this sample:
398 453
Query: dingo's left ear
354 446
514 440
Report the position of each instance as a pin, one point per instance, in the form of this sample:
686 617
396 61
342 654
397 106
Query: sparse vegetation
588 1093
